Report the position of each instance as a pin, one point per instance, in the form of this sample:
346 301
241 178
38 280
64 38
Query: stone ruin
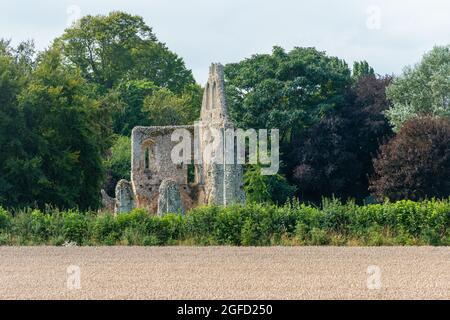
162 186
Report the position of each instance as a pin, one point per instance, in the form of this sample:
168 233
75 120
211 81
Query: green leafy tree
283 90
266 188
117 47
17 168
64 143
289 91
164 107
118 163
422 90
362 69
122 57
129 98
334 157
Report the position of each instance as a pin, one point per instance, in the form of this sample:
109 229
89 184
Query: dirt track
224 273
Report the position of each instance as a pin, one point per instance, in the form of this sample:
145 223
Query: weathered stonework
223 182
169 199
154 176
108 203
124 197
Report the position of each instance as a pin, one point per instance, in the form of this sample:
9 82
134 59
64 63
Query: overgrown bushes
334 223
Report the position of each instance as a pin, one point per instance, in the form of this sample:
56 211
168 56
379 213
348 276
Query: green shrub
301 232
5 219
22 226
319 237
249 234
228 225
75 227
4 239
337 217
41 226
106 230
399 223
199 224
375 236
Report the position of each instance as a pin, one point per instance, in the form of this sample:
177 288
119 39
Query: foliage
58 112
165 108
362 69
423 89
400 223
66 115
15 72
119 46
118 163
65 141
266 188
128 98
415 164
122 58
5 219
334 157
288 91
51 142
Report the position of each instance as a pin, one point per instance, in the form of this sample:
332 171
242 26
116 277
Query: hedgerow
334 223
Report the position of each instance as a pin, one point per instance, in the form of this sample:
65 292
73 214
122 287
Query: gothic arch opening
148 156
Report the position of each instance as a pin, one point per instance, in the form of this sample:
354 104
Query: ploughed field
225 272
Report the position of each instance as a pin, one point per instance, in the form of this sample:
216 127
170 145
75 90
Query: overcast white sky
389 34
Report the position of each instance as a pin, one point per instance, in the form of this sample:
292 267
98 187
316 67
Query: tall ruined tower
162 185
214 106
220 172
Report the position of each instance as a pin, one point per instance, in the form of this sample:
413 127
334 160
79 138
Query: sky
389 34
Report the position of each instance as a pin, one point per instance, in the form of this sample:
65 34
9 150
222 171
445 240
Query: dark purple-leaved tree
415 164
334 157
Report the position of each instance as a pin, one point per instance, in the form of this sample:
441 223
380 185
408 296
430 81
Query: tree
334 158
120 55
362 69
118 163
163 107
266 188
64 144
289 91
16 166
422 90
415 164
117 47
129 98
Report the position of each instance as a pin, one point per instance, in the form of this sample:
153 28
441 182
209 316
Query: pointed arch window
147 154
147 158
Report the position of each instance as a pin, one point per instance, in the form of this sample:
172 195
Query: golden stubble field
224 273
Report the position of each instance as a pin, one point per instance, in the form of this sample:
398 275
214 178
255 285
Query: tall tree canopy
66 138
120 55
422 90
117 47
51 141
288 91
362 69
335 155
15 69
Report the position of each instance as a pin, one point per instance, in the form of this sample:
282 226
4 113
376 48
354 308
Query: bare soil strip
224 273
